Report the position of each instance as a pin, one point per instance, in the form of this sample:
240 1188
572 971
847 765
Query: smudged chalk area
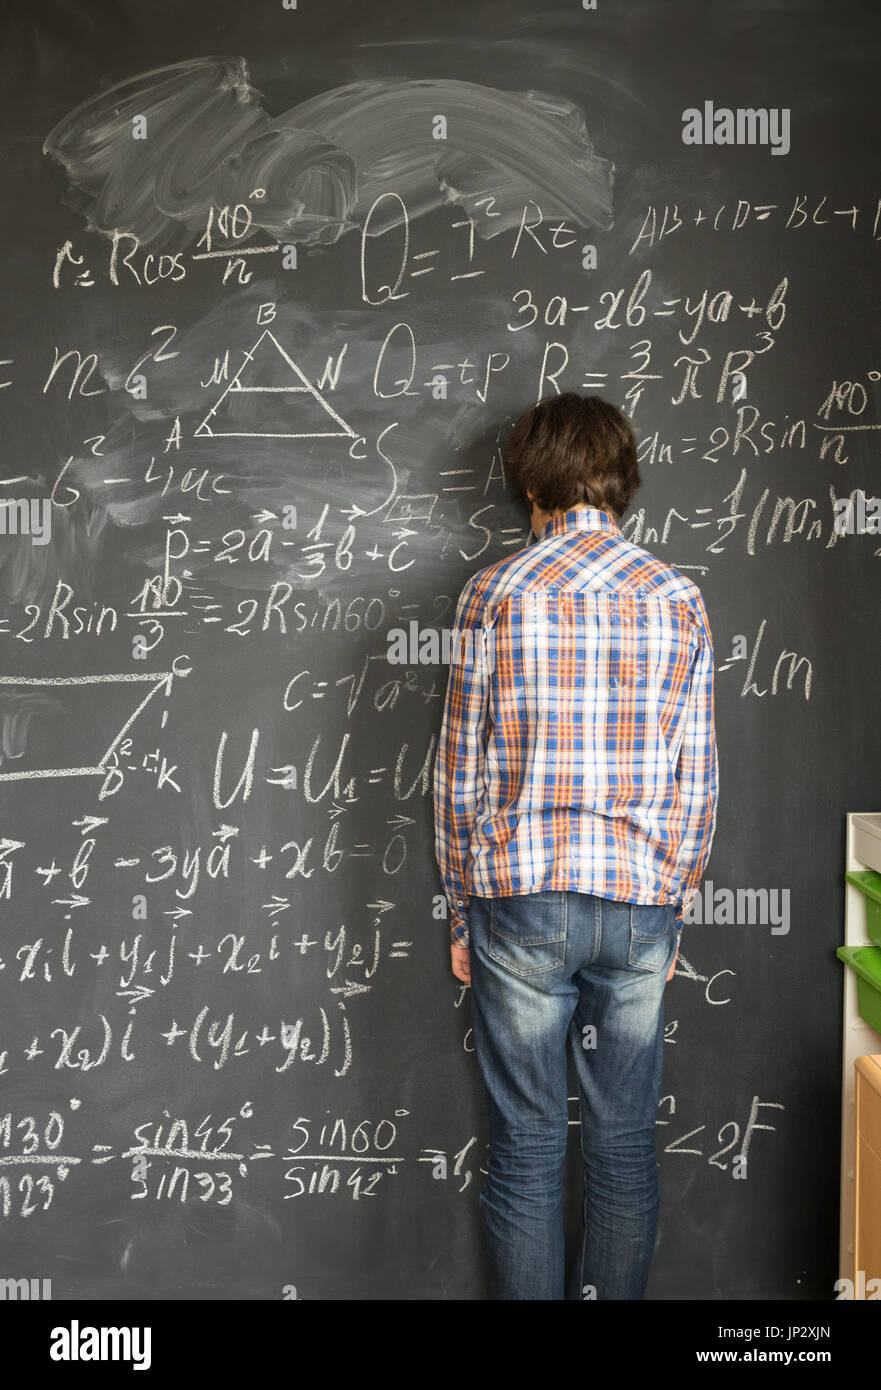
323 163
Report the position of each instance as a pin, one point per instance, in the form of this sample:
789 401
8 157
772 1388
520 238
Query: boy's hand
461 958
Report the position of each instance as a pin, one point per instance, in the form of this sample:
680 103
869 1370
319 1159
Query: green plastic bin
865 961
869 884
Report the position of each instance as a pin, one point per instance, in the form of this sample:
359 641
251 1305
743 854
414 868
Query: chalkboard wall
276 281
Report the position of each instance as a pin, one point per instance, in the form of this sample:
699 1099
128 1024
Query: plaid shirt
577 749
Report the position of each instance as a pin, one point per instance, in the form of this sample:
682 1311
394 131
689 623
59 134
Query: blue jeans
544 967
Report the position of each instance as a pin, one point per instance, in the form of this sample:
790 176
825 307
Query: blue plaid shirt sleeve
459 764
698 768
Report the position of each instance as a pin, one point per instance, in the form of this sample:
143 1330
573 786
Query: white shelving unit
863 852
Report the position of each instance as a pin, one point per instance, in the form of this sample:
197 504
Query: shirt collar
580 519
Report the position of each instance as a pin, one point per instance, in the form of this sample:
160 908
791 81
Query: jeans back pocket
527 934
652 936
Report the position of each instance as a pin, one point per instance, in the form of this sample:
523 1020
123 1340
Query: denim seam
528 940
565 925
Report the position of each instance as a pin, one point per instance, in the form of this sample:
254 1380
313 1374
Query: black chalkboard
276 282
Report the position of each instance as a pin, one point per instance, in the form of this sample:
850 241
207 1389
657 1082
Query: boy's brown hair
571 449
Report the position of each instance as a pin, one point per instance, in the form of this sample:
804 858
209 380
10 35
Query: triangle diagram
270 398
